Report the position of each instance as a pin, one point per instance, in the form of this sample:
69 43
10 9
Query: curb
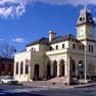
63 87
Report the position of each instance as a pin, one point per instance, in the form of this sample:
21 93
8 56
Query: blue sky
21 23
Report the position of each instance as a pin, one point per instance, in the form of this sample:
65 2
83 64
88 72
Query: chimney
52 35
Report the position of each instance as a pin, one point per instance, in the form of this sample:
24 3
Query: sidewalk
56 85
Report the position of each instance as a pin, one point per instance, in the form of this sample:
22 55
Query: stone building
60 56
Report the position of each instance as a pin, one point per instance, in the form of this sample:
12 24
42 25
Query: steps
58 80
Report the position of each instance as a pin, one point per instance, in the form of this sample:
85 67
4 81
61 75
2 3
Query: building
6 66
60 56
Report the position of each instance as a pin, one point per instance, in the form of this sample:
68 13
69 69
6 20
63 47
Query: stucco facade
60 56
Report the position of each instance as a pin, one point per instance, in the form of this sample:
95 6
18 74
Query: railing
65 51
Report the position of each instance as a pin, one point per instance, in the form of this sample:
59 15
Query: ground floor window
26 69
21 68
17 67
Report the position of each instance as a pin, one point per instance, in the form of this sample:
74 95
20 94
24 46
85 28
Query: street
18 90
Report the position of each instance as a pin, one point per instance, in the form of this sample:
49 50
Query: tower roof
85 17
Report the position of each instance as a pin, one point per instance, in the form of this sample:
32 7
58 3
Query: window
80 18
17 67
50 48
56 46
21 68
26 69
89 48
63 45
79 46
74 46
82 47
2 66
92 48
9 67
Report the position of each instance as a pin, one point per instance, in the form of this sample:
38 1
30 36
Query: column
58 69
51 68
68 77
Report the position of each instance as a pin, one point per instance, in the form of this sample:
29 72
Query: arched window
17 68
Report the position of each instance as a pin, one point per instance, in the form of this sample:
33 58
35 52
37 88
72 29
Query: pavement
57 85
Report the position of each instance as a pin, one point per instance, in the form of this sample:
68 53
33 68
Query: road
18 90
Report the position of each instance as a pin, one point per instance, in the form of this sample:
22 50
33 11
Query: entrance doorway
36 72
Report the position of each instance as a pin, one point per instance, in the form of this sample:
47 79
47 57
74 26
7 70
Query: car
9 80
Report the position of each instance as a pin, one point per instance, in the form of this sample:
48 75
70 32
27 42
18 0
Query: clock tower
85 25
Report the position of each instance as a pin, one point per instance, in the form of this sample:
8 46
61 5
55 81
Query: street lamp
85 74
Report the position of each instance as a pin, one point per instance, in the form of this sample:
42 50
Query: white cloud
19 40
12 8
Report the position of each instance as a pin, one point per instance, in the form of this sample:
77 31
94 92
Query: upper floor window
74 46
56 46
21 68
32 49
79 46
50 48
63 45
91 49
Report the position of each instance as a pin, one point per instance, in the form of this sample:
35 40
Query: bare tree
7 51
